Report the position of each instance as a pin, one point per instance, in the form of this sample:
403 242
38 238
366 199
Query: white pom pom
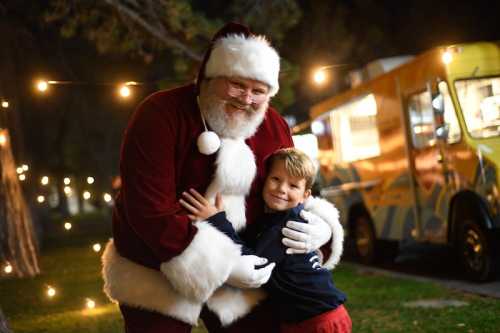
208 142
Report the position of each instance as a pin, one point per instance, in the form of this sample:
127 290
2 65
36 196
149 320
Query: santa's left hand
306 237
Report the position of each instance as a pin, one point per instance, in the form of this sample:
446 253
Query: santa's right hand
245 275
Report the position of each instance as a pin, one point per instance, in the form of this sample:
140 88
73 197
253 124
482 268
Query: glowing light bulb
3 139
107 197
25 167
319 76
44 181
124 91
90 303
67 226
90 180
40 199
67 181
68 190
22 177
8 268
5 104
87 195
447 57
42 85
19 170
51 292
96 247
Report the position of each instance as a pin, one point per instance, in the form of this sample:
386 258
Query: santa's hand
245 275
306 237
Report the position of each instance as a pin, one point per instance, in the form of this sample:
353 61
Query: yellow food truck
413 155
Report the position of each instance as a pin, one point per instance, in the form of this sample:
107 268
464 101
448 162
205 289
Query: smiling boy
301 289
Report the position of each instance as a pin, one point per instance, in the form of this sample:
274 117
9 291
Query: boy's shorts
334 321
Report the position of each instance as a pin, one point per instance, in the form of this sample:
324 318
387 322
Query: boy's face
283 191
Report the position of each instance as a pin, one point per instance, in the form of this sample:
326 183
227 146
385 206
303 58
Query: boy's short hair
297 163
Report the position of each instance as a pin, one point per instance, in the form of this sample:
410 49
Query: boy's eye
295 186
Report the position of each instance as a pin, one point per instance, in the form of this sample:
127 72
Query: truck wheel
475 252
365 241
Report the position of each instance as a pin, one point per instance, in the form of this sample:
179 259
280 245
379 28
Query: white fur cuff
129 283
230 304
330 215
204 265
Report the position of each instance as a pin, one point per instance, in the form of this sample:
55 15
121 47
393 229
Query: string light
96 247
8 268
68 190
67 226
90 180
87 195
5 104
51 291
25 167
44 181
447 57
67 181
42 85
40 199
19 170
22 177
107 197
319 76
124 91
90 304
3 139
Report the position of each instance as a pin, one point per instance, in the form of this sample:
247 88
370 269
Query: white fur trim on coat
230 304
135 285
330 215
234 173
204 265
248 57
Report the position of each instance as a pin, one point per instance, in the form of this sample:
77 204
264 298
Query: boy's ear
307 193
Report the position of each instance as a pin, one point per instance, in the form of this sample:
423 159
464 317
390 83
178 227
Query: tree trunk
4 328
16 227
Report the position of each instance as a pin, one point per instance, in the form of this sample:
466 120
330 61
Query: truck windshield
479 99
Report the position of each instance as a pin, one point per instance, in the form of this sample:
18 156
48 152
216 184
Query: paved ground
429 263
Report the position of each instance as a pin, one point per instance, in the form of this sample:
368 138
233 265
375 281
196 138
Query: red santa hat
236 51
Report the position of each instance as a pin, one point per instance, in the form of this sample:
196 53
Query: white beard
241 124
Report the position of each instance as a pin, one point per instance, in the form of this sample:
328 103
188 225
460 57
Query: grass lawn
375 302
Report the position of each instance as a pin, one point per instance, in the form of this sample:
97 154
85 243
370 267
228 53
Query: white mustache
237 104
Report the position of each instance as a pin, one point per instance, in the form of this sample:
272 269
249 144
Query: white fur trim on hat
248 57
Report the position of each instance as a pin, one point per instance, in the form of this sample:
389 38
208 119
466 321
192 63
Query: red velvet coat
160 160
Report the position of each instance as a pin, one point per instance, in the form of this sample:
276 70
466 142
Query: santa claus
165 271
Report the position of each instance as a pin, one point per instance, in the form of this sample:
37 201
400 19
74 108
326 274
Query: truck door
429 160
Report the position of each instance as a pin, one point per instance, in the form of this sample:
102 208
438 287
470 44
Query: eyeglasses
238 89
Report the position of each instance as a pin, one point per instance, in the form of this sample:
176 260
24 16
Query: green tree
176 30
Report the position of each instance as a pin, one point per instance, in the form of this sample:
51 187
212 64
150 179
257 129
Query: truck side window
421 118
355 133
450 116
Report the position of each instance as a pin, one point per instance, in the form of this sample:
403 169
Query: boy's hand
198 206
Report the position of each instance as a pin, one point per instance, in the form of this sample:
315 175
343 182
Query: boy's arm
220 221
201 209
